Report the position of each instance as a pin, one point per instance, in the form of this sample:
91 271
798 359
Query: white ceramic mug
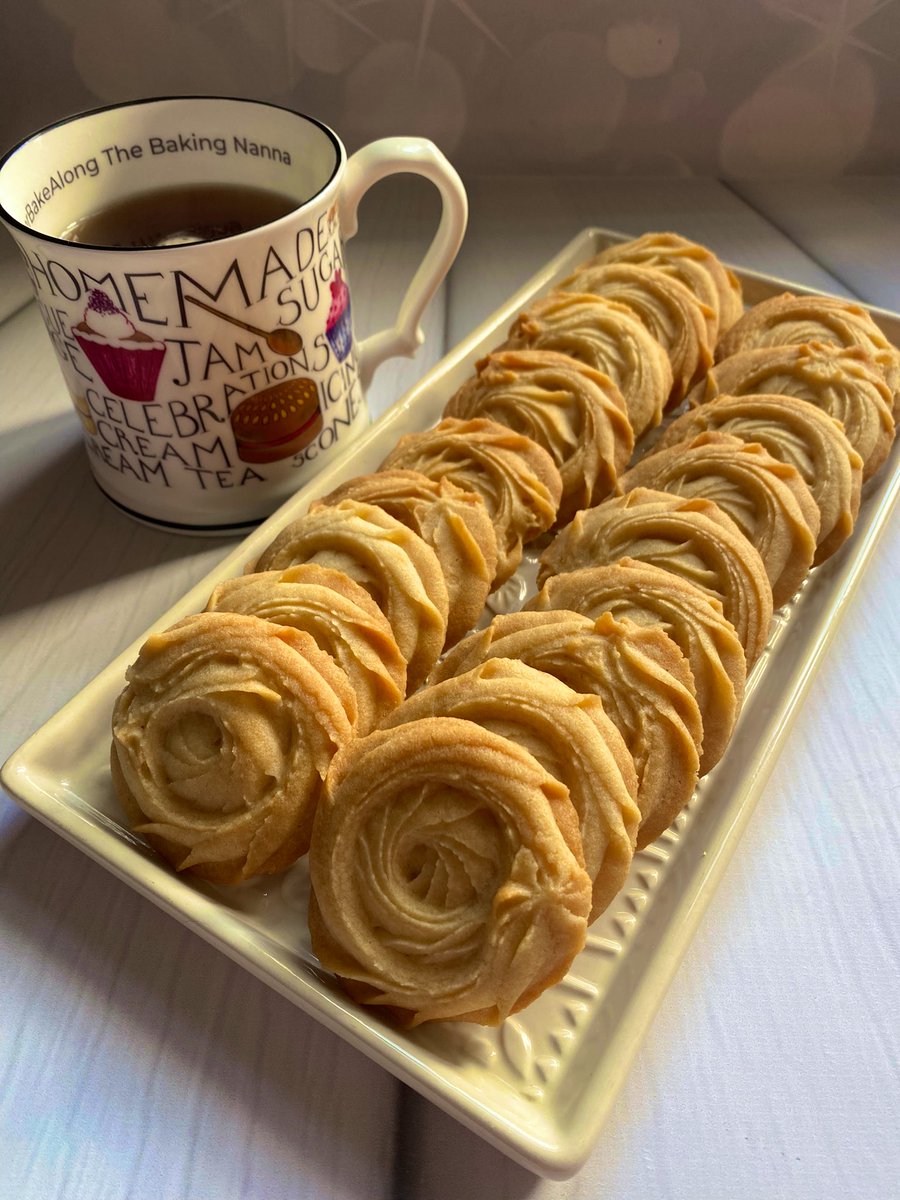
212 378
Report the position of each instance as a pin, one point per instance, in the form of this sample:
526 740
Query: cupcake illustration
337 329
127 360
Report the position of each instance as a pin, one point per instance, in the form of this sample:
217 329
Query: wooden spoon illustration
279 341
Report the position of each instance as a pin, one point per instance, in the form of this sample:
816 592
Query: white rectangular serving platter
540 1087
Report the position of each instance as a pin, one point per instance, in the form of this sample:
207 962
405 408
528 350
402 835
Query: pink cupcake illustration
127 360
337 329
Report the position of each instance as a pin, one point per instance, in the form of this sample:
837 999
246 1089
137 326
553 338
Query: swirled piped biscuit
570 735
766 499
447 874
221 740
671 313
606 336
516 478
648 595
395 566
456 524
843 382
796 432
574 412
693 539
789 320
641 677
693 265
340 616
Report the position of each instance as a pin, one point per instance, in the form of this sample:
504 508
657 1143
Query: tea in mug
178 216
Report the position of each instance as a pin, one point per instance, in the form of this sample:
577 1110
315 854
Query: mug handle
389 156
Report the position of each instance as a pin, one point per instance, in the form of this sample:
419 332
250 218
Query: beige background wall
724 87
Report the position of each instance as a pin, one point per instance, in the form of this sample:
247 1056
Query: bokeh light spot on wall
643 48
156 57
560 102
398 88
326 39
813 116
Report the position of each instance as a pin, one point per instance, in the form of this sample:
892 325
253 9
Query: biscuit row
463 838
474 945
730 522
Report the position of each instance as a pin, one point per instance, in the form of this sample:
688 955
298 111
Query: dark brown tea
176 216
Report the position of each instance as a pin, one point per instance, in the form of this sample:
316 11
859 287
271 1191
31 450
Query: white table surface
136 1061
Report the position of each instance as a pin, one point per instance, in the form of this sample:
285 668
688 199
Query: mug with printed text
187 258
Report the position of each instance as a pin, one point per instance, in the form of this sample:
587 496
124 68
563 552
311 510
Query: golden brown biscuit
456 524
693 539
606 336
277 422
845 383
516 478
221 740
574 412
648 595
796 432
447 880
641 677
693 265
670 312
570 735
789 320
340 616
394 565
766 499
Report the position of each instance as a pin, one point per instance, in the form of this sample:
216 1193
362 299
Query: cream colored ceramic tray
540 1086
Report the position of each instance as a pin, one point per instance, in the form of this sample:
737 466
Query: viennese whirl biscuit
456 524
693 265
766 499
221 740
789 320
575 413
340 616
446 901
671 313
641 677
648 595
395 566
796 432
570 735
516 478
606 336
843 382
694 539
